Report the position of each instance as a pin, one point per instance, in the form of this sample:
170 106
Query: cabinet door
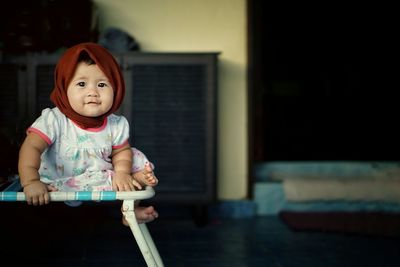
170 103
40 83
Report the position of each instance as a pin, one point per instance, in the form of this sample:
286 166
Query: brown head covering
65 70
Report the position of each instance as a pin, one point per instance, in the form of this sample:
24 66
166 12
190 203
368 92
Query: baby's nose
92 91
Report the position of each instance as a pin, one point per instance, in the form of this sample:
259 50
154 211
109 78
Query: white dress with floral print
80 159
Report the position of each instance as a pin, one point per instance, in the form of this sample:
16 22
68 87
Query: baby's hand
36 193
146 177
122 181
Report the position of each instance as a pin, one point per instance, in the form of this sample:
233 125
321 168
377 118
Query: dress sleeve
46 126
120 131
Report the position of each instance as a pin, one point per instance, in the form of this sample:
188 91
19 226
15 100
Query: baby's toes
148 169
153 181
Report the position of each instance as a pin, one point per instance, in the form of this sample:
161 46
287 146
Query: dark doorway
323 82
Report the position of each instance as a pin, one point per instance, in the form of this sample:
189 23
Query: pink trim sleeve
121 145
40 133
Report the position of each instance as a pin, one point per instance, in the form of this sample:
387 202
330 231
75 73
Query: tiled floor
92 235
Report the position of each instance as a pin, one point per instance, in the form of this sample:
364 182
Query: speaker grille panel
169 122
45 84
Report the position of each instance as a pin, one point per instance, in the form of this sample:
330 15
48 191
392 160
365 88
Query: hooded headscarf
65 70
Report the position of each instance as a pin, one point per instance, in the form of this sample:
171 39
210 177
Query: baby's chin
92 113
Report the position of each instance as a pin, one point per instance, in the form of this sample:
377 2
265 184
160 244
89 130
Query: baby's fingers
35 200
43 199
51 188
114 186
46 198
29 200
136 184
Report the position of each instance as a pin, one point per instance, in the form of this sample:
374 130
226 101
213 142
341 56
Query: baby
81 145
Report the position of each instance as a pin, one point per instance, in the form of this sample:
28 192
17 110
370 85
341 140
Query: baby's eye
102 84
81 84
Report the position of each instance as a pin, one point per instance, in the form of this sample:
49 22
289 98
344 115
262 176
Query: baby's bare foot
146 176
143 215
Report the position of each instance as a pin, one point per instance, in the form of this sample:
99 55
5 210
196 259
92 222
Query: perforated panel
168 122
44 85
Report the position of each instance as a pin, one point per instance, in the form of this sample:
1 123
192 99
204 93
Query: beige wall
199 25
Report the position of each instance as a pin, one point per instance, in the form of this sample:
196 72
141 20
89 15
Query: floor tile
93 235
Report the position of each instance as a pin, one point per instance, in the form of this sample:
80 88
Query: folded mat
374 224
351 189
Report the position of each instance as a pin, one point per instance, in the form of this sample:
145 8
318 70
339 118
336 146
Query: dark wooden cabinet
170 103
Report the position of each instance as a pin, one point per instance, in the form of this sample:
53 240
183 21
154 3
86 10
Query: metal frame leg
142 236
151 244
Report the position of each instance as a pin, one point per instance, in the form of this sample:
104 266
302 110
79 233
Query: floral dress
80 159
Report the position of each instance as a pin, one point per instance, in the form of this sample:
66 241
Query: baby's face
90 93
